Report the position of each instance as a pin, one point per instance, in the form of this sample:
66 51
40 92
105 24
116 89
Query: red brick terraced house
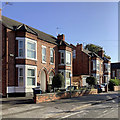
87 63
115 70
31 58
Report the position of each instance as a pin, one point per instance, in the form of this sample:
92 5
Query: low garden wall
38 98
116 88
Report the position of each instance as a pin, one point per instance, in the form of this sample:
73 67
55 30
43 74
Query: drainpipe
6 63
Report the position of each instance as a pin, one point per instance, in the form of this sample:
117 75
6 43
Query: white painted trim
44 62
35 68
25 40
44 46
27 88
64 71
53 56
65 57
13 89
31 41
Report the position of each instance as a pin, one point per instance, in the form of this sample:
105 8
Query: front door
43 81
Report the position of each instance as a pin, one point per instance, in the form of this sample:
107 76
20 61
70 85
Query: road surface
103 105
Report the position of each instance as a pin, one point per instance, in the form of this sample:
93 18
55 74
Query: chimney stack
80 46
61 37
101 53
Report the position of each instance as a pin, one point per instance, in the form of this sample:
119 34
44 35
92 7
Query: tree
91 80
58 81
96 48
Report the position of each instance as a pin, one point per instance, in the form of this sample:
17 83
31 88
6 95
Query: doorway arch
43 81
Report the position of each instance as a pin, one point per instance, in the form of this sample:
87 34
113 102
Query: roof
115 65
15 25
87 52
92 54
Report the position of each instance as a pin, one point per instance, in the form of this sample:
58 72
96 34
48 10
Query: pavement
24 106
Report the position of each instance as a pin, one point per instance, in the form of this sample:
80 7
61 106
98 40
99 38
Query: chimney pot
61 37
80 46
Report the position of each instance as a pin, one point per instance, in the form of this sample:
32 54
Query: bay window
31 50
68 78
107 67
98 65
94 65
30 77
27 48
68 58
20 77
62 57
20 48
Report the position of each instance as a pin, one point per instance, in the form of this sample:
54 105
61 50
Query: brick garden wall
116 88
55 96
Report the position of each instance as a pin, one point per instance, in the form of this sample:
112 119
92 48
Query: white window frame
94 64
98 65
50 82
64 72
98 77
20 76
25 39
51 55
43 54
32 42
23 67
67 52
19 48
107 67
21 39
62 57
31 67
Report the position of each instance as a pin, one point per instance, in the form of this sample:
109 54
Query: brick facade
74 69
83 63
11 60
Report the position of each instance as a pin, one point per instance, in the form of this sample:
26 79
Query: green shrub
112 83
58 81
91 80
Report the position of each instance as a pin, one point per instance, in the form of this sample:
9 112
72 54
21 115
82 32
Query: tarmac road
103 105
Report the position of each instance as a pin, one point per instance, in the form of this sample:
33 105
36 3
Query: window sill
26 58
51 63
68 65
43 62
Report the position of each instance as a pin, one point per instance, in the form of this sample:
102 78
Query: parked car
104 84
101 88
72 88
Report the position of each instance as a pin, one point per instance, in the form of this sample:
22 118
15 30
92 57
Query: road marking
104 111
70 115
109 97
104 114
113 101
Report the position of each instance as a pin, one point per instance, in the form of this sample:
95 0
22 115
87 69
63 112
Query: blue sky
82 22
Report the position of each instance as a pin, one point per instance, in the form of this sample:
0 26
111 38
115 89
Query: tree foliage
58 81
96 48
91 80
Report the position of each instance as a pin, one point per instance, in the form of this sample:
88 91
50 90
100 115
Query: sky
80 22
